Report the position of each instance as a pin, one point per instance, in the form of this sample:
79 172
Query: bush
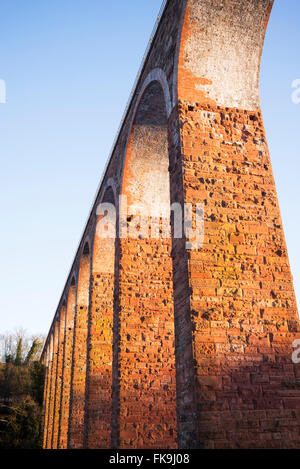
21 398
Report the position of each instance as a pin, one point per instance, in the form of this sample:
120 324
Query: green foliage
21 397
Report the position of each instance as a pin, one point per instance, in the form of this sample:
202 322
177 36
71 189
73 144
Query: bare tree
19 347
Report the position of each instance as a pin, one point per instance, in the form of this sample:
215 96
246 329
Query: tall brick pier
156 342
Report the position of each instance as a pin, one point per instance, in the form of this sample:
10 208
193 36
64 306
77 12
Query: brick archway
59 377
79 360
229 305
67 365
100 348
146 358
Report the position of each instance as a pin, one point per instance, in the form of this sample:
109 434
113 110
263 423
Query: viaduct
158 342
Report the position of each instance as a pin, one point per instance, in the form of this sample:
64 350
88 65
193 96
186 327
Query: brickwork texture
160 344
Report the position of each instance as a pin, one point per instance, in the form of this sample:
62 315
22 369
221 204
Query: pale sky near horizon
69 67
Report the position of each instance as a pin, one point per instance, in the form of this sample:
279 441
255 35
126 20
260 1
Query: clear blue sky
69 66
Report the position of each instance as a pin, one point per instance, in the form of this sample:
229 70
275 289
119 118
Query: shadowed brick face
52 390
47 384
177 347
57 404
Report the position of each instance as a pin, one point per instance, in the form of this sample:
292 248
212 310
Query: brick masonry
164 346
67 368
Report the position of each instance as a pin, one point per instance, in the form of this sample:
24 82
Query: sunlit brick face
242 303
99 401
231 300
53 384
146 359
48 382
58 387
78 383
67 367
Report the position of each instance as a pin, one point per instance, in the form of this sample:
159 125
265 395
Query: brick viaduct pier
157 343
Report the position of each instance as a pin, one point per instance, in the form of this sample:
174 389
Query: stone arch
99 372
157 74
48 388
219 99
109 185
61 320
84 275
79 361
45 360
143 183
55 336
67 363
144 357
234 323
73 282
105 233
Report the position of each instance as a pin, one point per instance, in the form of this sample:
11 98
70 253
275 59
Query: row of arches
110 376
157 338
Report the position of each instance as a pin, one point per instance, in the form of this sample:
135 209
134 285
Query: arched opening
78 382
57 404
53 385
67 367
146 177
99 400
48 390
146 355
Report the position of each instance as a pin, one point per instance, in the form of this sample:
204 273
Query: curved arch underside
146 173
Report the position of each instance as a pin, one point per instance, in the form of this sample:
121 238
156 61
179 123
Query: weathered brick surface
47 362
146 360
99 373
66 370
58 384
243 308
78 379
177 347
52 390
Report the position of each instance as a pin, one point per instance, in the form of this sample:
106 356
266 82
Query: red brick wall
79 361
58 385
99 395
242 304
243 309
52 388
48 364
67 367
146 358
175 346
